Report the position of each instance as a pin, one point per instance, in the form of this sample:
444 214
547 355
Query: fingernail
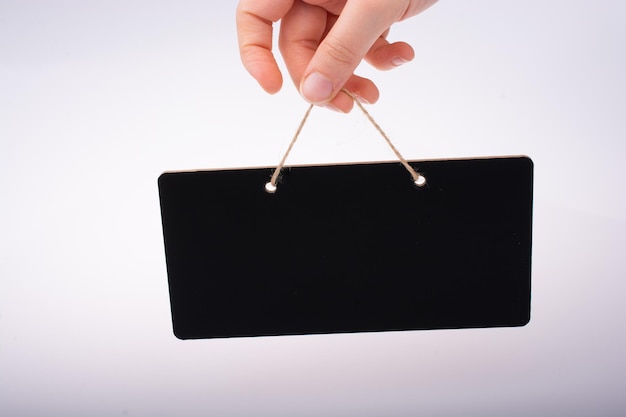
316 88
361 99
397 61
333 108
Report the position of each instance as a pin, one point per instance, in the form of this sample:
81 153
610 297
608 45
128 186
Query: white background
98 98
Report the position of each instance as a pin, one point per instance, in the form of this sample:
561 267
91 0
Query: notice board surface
349 248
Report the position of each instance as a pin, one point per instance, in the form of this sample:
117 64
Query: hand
322 42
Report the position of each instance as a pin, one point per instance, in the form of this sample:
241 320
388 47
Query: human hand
322 42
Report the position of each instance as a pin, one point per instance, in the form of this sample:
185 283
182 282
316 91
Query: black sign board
349 248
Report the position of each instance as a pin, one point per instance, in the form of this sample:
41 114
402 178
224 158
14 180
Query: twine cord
271 186
418 179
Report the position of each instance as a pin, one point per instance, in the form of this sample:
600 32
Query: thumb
358 26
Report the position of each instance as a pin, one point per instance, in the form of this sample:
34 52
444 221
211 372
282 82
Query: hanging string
418 179
271 186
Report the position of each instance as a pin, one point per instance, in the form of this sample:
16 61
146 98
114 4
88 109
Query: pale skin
322 42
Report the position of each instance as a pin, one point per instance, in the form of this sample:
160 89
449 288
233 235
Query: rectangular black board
349 248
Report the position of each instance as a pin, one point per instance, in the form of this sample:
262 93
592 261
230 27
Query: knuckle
289 47
340 52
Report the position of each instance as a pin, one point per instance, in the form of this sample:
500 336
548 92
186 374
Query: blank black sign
349 248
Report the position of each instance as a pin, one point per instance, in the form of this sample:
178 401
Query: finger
254 32
385 56
334 7
301 31
362 88
415 7
343 48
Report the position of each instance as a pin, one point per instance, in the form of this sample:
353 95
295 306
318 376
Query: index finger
255 19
